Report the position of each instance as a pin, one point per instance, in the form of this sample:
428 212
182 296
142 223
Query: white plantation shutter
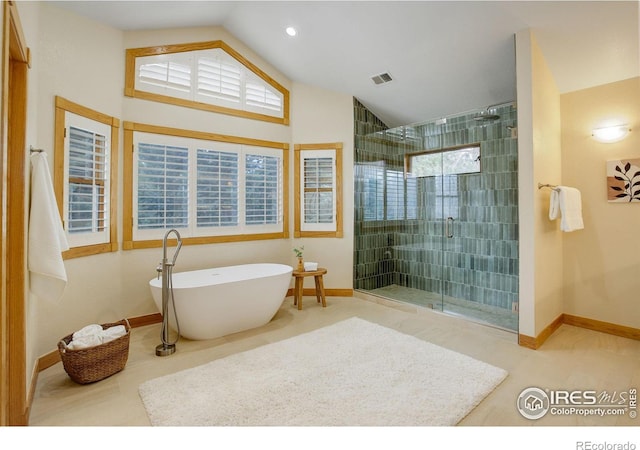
261 97
217 188
373 180
318 190
411 195
205 188
382 186
219 79
87 181
208 76
168 74
263 196
163 189
402 196
395 195
87 173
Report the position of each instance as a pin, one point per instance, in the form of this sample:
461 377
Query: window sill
88 250
156 243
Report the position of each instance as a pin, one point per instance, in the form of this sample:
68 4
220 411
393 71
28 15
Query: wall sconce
610 134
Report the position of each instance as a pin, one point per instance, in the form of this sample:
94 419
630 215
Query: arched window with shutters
207 75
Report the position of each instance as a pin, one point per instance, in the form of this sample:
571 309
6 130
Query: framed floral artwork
623 180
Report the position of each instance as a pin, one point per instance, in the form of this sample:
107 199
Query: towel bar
35 150
551 186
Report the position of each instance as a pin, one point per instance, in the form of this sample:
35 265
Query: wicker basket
93 364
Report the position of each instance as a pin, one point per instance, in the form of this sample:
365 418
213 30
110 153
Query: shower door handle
449 227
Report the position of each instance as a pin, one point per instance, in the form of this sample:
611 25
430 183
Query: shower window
83 172
451 161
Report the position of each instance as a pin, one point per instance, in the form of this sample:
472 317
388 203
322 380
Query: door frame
13 176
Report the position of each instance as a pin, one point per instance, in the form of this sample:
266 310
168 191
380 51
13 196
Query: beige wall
526 191
539 160
547 162
602 262
319 116
594 272
83 61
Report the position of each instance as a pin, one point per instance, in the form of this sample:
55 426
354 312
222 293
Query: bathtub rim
156 282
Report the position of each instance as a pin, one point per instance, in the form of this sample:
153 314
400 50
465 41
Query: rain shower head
485 116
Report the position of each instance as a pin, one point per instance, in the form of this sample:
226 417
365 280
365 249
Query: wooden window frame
62 106
298 197
128 220
131 91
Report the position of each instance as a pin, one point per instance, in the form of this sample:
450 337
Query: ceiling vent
382 78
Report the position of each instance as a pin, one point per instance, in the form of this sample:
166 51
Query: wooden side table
299 275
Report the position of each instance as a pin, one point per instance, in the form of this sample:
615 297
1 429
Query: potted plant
298 252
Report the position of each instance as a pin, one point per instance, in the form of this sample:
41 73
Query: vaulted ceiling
444 57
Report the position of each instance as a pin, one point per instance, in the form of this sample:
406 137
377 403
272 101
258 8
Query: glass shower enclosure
436 213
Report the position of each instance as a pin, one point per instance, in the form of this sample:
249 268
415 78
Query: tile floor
572 358
491 315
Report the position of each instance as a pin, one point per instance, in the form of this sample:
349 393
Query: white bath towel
82 342
93 335
566 202
90 330
554 204
113 333
47 239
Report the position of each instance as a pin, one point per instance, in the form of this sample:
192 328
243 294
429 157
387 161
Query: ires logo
534 403
560 398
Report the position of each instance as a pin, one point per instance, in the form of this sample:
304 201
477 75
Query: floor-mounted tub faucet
165 269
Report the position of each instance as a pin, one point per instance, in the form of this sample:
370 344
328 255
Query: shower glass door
460 169
442 174
436 220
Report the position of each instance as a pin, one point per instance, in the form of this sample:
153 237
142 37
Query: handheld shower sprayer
164 246
165 269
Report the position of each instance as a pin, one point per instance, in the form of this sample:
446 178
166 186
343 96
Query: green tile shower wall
481 262
374 265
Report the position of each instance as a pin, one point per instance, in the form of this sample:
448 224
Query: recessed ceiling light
291 31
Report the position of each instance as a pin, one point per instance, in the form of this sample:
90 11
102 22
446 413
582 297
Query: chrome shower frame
165 269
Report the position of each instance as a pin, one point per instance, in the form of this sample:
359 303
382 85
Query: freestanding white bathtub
215 302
